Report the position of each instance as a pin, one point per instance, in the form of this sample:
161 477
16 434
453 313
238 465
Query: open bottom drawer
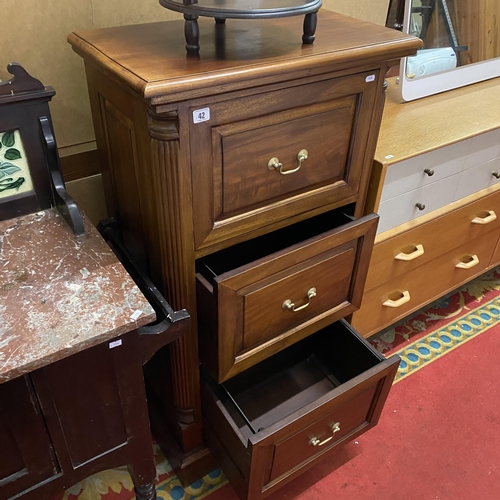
268 424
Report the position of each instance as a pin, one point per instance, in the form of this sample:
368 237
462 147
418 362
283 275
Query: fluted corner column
172 196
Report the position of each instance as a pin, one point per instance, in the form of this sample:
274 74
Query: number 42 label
201 115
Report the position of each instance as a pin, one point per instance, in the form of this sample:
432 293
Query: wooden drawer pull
474 261
317 442
419 250
399 302
275 164
485 220
288 304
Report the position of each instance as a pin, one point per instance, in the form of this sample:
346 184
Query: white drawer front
403 208
410 174
476 178
483 148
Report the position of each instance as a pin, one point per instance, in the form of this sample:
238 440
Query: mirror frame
415 88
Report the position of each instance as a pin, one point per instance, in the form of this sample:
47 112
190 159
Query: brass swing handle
288 304
275 164
317 442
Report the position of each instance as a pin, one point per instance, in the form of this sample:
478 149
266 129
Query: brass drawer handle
474 261
419 250
399 302
275 164
485 220
288 304
317 442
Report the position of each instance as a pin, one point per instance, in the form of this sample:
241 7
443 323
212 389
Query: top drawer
263 158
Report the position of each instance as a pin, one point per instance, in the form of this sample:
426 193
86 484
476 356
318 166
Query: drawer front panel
408 175
265 316
410 291
415 247
477 178
329 431
495 258
484 147
404 208
245 155
238 190
267 305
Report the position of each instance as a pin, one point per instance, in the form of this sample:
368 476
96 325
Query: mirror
461 45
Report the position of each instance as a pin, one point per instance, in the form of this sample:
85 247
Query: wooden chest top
151 58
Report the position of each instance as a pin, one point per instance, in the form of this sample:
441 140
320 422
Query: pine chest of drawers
436 187
239 178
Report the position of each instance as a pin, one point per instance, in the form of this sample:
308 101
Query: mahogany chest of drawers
239 178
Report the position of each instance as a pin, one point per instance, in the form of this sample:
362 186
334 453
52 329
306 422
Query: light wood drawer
495 258
415 203
415 247
239 190
411 174
270 423
410 291
477 178
259 297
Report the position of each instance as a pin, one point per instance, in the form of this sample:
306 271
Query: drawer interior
247 252
277 387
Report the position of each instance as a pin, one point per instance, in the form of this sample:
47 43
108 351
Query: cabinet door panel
263 158
88 407
26 456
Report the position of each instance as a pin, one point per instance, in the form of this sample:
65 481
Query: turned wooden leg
192 33
310 23
147 492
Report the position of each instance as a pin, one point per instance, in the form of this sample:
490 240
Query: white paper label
201 115
136 314
115 343
370 78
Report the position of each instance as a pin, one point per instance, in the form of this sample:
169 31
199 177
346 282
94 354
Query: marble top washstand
59 294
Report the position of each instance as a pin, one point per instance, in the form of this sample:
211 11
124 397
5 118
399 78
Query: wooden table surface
412 128
59 295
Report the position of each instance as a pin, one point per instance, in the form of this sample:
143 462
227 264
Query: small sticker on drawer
115 343
201 115
370 78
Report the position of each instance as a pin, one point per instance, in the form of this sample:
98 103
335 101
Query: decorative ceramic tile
15 177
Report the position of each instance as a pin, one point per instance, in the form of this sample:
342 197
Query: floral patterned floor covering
420 340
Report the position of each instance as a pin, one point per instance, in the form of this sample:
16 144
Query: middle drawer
258 297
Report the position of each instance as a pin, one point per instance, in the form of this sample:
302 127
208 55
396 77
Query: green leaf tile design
15 177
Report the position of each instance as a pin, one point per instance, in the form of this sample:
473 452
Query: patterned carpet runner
420 340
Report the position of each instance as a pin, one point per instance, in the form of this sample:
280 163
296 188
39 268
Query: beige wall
34 34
